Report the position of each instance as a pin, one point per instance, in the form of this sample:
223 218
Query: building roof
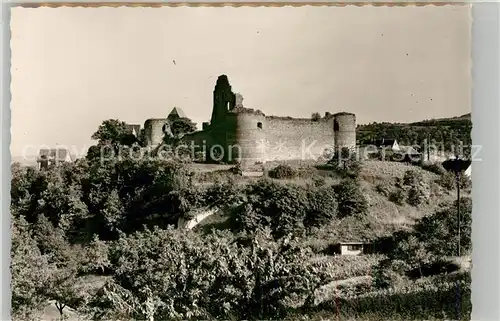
410 150
352 243
135 129
177 112
385 142
56 153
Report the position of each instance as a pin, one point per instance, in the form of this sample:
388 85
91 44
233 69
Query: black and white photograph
241 163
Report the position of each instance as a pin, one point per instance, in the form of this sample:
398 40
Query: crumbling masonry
236 134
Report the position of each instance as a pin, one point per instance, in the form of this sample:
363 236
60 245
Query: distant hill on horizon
451 132
456 118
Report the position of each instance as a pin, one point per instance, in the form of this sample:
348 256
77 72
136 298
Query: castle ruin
236 134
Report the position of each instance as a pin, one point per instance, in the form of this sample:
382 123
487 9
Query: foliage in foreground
175 275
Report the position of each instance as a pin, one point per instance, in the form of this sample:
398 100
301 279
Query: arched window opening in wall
336 126
259 125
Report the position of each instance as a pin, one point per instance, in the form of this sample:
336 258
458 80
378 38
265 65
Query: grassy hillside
383 217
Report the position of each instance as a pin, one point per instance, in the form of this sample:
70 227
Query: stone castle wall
289 138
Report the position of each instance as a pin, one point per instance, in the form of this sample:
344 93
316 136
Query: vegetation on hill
447 134
115 219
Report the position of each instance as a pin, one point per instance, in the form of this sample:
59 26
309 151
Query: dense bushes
291 208
282 172
448 180
284 208
397 196
428 299
178 275
434 239
412 189
351 199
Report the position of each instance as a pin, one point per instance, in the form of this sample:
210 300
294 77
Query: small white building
388 144
350 248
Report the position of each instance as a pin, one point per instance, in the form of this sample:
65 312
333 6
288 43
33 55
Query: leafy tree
96 257
351 199
323 206
282 171
439 231
113 132
29 269
315 116
412 178
52 241
346 162
61 202
270 204
62 288
177 275
412 251
182 126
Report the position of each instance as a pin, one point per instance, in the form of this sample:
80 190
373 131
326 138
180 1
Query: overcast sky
72 68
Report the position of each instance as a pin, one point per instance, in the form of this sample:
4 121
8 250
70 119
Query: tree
345 161
114 132
316 116
412 251
96 257
182 126
62 287
177 275
412 178
351 199
439 231
29 269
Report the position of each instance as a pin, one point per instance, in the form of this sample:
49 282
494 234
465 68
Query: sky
72 68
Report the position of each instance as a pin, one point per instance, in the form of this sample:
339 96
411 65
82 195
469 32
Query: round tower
154 131
344 127
246 138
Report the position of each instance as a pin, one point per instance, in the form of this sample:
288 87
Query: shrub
323 207
416 196
168 270
319 181
449 182
351 199
389 274
412 178
397 196
439 231
435 168
267 203
383 189
282 171
222 194
346 163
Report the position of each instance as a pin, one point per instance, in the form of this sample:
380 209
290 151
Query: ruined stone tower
344 127
154 131
224 100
